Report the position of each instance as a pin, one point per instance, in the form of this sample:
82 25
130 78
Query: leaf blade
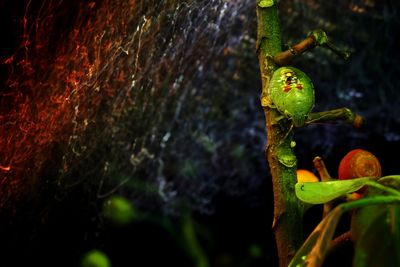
323 192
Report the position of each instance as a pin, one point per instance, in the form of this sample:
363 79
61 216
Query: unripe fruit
359 163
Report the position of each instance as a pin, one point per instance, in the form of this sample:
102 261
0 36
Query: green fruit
118 210
95 258
292 93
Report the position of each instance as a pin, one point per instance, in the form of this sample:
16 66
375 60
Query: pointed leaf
322 192
312 252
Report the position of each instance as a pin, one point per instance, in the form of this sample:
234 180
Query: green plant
375 227
284 112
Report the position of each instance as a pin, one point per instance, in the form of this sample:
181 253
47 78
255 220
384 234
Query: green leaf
323 192
312 252
376 231
391 180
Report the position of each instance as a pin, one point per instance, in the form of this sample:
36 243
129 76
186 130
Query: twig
287 56
315 38
321 169
340 241
340 114
324 175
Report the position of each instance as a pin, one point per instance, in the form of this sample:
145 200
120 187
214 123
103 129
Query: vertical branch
287 224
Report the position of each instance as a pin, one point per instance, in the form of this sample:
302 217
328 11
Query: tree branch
315 38
287 56
288 210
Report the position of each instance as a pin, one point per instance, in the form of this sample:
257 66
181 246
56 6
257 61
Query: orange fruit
305 176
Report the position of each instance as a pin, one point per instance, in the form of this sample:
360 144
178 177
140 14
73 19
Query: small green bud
266 3
320 36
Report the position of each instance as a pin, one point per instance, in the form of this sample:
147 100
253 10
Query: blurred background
134 128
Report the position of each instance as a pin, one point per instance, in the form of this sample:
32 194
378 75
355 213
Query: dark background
158 101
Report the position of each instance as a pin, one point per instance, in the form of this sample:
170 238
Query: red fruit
359 163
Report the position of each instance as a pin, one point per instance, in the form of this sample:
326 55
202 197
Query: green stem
364 202
383 188
191 241
186 237
288 209
340 114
